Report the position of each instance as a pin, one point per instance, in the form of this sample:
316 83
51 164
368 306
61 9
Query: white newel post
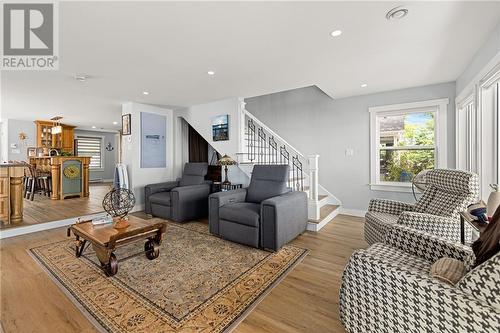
242 126
313 187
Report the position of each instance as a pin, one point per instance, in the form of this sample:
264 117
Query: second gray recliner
265 215
181 200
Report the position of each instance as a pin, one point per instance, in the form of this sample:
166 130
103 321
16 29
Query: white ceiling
255 48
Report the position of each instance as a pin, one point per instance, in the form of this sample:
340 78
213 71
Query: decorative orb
118 202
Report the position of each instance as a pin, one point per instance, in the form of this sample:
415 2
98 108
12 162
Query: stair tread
322 196
324 212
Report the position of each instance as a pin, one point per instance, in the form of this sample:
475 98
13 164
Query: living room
250 166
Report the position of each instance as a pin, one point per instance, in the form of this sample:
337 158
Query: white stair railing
261 145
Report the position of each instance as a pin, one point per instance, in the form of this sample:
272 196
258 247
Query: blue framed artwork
220 128
153 140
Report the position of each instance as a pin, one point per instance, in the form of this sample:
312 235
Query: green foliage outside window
401 165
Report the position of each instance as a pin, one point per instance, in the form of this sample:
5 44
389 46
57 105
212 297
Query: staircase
260 145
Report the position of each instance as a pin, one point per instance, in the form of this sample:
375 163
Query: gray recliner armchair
265 215
181 200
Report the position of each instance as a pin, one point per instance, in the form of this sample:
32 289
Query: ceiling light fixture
81 77
145 92
115 123
94 127
396 13
211 73
364 85
57 128
336 33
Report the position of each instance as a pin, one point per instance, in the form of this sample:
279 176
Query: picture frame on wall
31 152
220 128
126 128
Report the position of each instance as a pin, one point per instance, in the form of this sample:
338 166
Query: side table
465 217
220 187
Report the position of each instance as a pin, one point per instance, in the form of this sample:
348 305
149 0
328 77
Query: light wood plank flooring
305 301
43 209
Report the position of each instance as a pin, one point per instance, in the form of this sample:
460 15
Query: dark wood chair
36 182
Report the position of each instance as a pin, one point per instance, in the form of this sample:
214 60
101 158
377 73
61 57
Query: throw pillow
448 270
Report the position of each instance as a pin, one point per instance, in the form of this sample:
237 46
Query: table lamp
225 161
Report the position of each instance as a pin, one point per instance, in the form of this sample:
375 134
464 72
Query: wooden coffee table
105 239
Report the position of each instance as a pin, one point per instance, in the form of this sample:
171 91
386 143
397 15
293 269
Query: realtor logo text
29 36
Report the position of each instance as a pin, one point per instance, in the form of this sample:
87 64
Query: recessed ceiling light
93 127
211 73
396 13
115 123
336 33
364 85
145 92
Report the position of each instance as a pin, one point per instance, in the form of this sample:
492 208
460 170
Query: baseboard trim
352 212
28 229
138 208
311 226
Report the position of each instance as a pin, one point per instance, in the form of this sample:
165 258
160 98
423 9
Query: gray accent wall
489 49
14 127
110 158
314 123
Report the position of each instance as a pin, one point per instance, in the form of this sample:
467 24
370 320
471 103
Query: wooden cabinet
46 139
4 194
11 193
68 142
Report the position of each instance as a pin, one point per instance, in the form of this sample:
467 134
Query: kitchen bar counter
65 184
11 192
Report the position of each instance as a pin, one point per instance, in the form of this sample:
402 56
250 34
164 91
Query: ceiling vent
396 13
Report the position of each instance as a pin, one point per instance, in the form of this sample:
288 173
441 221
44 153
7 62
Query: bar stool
37 182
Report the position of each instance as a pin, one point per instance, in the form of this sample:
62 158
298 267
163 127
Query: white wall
489 50
10 135
200 118
109 158
316 124
131 150
484 63
4 141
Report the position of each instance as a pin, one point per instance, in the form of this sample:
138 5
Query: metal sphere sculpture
118 203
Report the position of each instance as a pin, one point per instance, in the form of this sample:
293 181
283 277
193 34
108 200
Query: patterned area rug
199 283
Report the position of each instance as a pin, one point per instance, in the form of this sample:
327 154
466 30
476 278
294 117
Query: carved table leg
80 247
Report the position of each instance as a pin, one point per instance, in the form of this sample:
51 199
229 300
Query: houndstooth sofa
387 288
436 212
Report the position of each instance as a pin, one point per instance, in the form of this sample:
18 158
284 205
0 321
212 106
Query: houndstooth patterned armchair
436 212
387 288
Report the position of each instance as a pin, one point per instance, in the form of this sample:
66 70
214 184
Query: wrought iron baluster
262 144
298 176
273 151
285 159
251 140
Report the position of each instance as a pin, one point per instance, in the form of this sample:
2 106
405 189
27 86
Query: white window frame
103 166
440 109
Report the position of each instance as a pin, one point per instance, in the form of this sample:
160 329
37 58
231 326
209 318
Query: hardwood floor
305 301
42 209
